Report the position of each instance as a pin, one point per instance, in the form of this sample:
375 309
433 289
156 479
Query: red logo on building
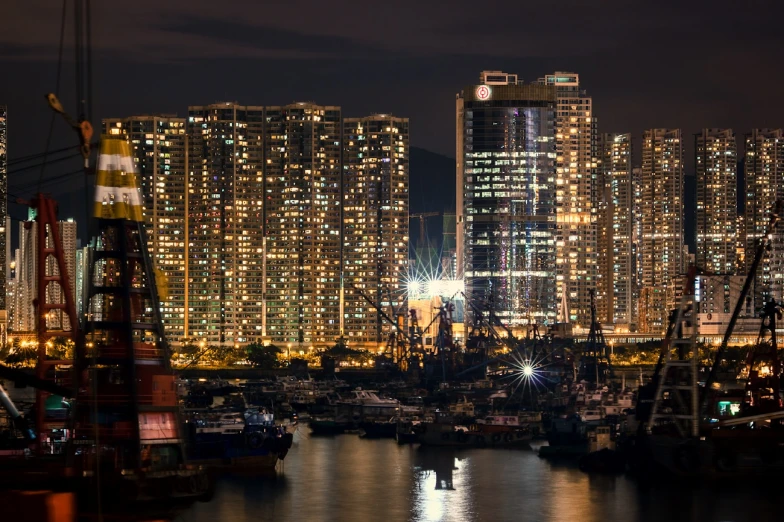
483 92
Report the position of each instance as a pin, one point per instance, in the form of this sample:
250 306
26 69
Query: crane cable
31 157
83 44
56 89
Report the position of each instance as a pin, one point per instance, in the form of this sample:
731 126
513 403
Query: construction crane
422 216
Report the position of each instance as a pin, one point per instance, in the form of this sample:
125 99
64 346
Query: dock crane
681 430
595 360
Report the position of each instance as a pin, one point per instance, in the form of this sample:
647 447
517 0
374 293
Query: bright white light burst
527 371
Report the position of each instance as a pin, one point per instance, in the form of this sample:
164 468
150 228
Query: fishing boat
443 431
361 407
235 440
379 429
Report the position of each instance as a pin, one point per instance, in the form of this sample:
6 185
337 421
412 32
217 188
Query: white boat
226 424
366 405
462 408
591 415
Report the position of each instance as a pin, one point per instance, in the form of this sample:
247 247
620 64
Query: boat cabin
591 415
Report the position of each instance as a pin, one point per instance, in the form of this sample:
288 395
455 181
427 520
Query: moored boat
447 434
379 429
236 440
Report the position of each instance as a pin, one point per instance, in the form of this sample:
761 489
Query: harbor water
349 479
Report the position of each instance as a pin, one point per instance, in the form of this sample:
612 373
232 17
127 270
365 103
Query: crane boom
763 242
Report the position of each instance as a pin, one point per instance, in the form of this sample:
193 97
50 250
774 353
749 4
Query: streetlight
289 354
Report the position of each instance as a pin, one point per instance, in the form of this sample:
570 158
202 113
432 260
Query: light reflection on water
349 479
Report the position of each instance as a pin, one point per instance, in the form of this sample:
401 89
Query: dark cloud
250 36
665 63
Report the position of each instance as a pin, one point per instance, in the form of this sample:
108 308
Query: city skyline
599 193
259 255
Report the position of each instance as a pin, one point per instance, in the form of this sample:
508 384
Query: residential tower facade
302 222
716 161
662 224
225 214
616 281
764 174
375 223
576 197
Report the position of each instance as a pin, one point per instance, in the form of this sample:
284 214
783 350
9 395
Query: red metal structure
49 244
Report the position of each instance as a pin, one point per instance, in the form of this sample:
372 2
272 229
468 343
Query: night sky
687 64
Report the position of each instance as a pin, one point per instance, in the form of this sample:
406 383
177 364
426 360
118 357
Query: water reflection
348 479
439 491
441 461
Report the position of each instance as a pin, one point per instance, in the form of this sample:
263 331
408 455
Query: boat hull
243 450
330 427
445 435
248 462
734 453
379 430
406 438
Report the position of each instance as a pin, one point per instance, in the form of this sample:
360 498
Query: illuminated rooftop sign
483 92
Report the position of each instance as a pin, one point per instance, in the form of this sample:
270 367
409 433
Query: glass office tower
506 197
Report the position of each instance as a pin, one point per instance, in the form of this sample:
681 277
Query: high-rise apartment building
636 244
740 244
244 211
615 280
11 289
81 276
764 173
302 222
716 161
158 144
662 224
4 230
375 223
225 200
26 277
575 141
717 294
506 212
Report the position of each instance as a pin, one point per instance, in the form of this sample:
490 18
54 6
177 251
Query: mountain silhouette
431 189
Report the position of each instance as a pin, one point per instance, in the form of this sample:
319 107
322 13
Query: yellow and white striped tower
131 405
117 193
